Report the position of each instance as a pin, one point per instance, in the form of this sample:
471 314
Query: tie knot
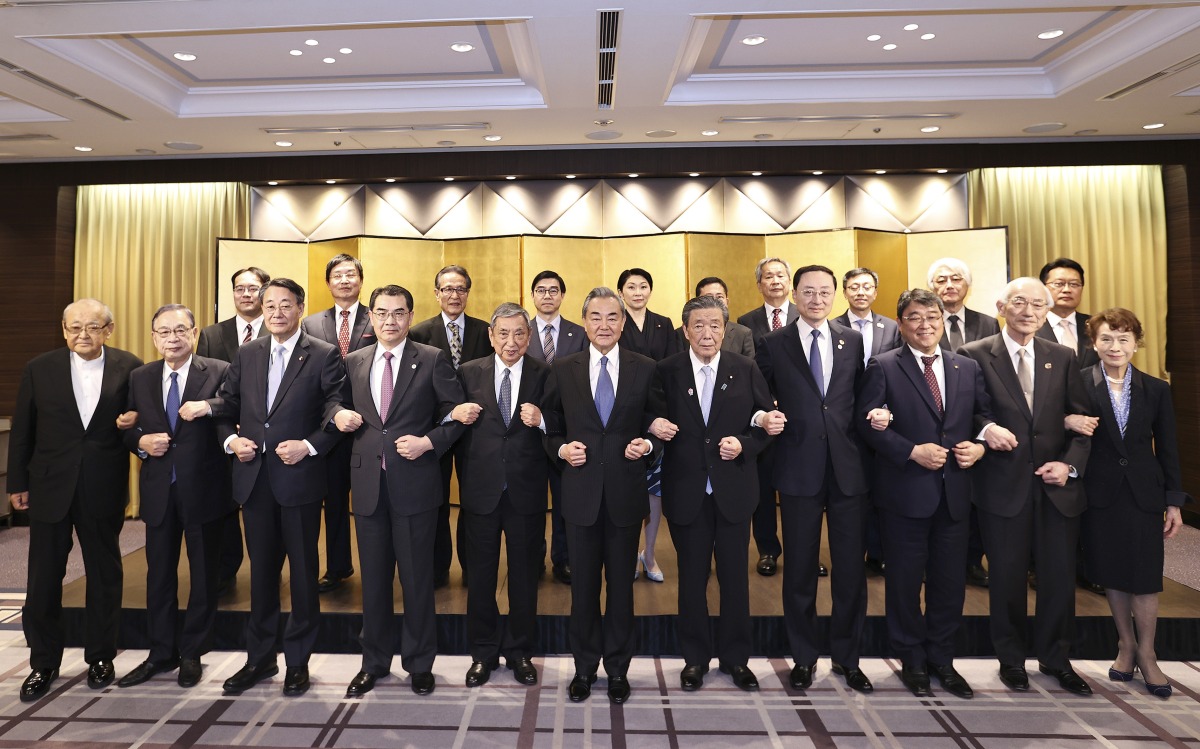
453 325
604 361
280 349
345 313
929 360
388 355
953 319
706 370
174 375
507 371
549 328
816 334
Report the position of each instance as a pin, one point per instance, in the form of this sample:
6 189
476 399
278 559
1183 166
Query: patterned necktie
505 398
249 332
173 411
385 390
952 334
1025 376
605 394
344 333
776 322
931 381
862 331
814 362
1068 335
455 345
274 376
548 344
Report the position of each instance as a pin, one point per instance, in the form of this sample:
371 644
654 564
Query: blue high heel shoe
1162 691
1115 675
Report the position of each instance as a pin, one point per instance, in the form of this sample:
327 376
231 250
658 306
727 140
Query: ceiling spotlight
570 176
927 37
462 47
448 179
311 42
272 183
708 133
755 174
84 149
693 174
1088 131
1050 34
283 143
818 173
510 177
390 179
1151 126
874 38
911 27
491 138
184 56
889 47
754 40
881 171
942 171
331 181
930 129
295 53
328 60
633 175
603 123
148 151
345 50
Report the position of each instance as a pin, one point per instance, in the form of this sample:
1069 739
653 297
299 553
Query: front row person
400 394
922 487
720 414
502 489
185 493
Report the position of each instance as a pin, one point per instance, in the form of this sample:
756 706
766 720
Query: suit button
707 441
267 425
822 437
824 407
385 431
176 444
1123 462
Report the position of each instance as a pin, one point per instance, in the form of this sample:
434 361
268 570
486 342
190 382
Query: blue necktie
862 331
505 399
173 411
814 362
605 395
275 376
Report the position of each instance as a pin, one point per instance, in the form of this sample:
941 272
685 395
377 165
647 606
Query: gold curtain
1111 219
138 247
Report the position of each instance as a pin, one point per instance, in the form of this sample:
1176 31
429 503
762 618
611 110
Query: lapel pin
414 366
300 358
956 366
725 386
1049 365
879 325
691 391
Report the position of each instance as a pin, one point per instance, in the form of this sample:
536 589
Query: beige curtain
138 247
1109 218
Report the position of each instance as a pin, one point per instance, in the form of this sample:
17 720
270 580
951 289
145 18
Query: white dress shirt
377 365
1013 347
939 370
555 326
255 327
514 381
86 379
182 380
824 343
867 330
783 314
614 367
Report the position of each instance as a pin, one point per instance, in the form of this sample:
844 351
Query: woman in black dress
651 335
1132 480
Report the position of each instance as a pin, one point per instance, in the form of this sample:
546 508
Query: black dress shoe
249 675
295 681
479 672
802 676
1067 679
952 681
332 580
855 678
562 573
101 674
618 689
977 575
523 671
362 683
422 683
189 672
1089 586
767 565
874 566
580 687
691 678
743 677
822 570
441 579
37 684
917 680
145 670
1014 677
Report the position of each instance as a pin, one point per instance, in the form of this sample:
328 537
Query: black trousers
696 543
231 550
765 522
558 526
163 543
443 549
522 532
337 509
49 545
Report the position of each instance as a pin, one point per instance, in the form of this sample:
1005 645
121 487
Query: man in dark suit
221 341
600 404
347 325
738 338
950 279
921 486
69 469
272 410
185 493
1030 499
860 286
400 396
774 278
554 336
814 367
461 338
503 490
720 412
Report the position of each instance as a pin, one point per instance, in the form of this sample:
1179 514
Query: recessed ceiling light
1088 131
693 174
331 181
570 176
311 42
911 27
763 136
889 47
753 40
755 174
1044 127
184 56
345 50
708 133
510 177
448 179
328 60
445 143
1151 126
942 171
295 52
390 179
659 133
633 175
148 151
491 138
927 37
85 149
283 143
881 171
818 173
930 129
1050 34
183 145
603 123
874 38
272 183
462 47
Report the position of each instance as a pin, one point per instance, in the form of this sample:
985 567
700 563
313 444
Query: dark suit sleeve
228 403
755 439
552 412
748 345
656 406
1078 446
203 346
1166 449
21 438
889 443
449 392
762 357
333 380
133 435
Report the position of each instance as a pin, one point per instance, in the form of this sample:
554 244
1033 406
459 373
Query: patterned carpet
159 714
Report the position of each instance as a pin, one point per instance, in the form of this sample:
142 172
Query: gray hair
509 309
923 297
758 268
602 292
708 301
172 308
952 264
1011 288
108 315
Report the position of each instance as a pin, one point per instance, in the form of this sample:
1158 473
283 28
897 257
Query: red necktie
385 390
344 333
776 323
249 330
931 381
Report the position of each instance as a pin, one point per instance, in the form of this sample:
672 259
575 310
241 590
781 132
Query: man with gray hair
68 467
502 489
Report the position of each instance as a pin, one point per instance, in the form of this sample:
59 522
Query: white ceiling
103 75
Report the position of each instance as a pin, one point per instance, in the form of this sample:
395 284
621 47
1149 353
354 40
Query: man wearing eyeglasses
1064 322
68 467
554 336
185 493
813 367
1030 498
462 338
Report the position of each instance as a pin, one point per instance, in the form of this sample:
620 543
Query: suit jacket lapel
1043 372
197 377
1002 365
408 365
913 370
300 356
795 350
842 358
362 323
109 384
687 383
489 390
359 372
583 381
231 339
722 379
1108 416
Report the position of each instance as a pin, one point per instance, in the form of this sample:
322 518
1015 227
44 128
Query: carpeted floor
14 551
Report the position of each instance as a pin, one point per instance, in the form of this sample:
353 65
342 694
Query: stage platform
656 608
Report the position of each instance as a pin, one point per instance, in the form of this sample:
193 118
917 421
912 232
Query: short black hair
707 280
437 278
562 285
392 290
283 283
625 274
337 260
259 273
859 272
1062 262
811 269
923 297
707 301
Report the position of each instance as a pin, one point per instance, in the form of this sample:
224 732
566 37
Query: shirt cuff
229 439
312 451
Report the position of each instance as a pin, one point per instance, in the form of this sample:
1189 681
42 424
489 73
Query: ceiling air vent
606 69
46 83
1178 67
18 137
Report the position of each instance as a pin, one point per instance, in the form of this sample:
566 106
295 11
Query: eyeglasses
179 332
91 329
386 314
1020 302
946 279
454 290
867 287
546 291
811 293
351 276
930 319
283 309
1060 284
239 290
